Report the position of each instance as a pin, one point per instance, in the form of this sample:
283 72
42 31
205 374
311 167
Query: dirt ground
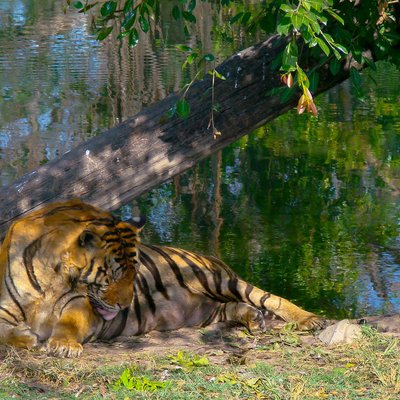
218 341
222 345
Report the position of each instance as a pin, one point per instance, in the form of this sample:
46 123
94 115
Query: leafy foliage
330 29
130 381
189 361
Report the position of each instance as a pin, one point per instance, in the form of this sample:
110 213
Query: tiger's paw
311 322
256 322
22 336
63 347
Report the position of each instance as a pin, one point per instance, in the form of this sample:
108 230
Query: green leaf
88 7
143 8
78 5
328 38
370 63
336 16
336 54
128 5
183 47
356 80
176 12
246 17
133 39
189 16
190 59
219 75
302 77
186 31
297 20
191 6
357 53
290 56
236 18
341 48
144 24
104 33
284 26
182 108
355 77
267 23
316 4
334 67
123 34
286 8
323 46
129 20
322 19
315 27
108 8
209 57
307 35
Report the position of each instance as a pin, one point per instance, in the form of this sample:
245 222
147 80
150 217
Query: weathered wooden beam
147 149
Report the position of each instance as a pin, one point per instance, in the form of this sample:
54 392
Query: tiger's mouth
106 314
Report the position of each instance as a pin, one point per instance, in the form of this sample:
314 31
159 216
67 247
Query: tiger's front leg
18 335
75 325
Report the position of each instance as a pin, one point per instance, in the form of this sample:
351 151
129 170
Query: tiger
71 273
176 288
64 269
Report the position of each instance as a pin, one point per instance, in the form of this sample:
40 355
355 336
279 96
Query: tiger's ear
137 222
89 239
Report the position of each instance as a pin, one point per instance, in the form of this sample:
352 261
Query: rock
342 332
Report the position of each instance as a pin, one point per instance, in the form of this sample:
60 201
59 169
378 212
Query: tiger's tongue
107 315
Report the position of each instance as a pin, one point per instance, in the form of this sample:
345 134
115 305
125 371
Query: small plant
138 383
189 361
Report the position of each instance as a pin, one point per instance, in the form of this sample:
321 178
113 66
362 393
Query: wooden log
149 148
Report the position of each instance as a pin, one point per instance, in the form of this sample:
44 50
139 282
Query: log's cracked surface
148 149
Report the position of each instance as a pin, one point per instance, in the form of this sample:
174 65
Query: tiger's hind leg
289 312
251 317
231 288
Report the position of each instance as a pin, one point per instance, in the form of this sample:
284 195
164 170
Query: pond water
305 207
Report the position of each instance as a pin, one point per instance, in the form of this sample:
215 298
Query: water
305 207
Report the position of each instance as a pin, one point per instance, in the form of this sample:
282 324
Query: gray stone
342 332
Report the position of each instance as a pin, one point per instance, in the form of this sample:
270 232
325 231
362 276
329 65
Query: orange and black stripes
148 263
172 264
28 256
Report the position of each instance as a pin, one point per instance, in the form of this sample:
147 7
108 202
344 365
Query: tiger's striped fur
71 273
175 288
63 270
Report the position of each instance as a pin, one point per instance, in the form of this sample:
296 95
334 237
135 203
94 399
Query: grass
270 366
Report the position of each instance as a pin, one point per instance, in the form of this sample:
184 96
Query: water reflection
305 207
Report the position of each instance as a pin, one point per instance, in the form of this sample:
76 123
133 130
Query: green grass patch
276 367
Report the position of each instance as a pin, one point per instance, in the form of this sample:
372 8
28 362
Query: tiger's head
110 256
72 246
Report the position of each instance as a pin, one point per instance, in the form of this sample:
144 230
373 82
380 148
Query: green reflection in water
306 208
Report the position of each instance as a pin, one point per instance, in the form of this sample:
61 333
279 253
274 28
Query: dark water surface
305 207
